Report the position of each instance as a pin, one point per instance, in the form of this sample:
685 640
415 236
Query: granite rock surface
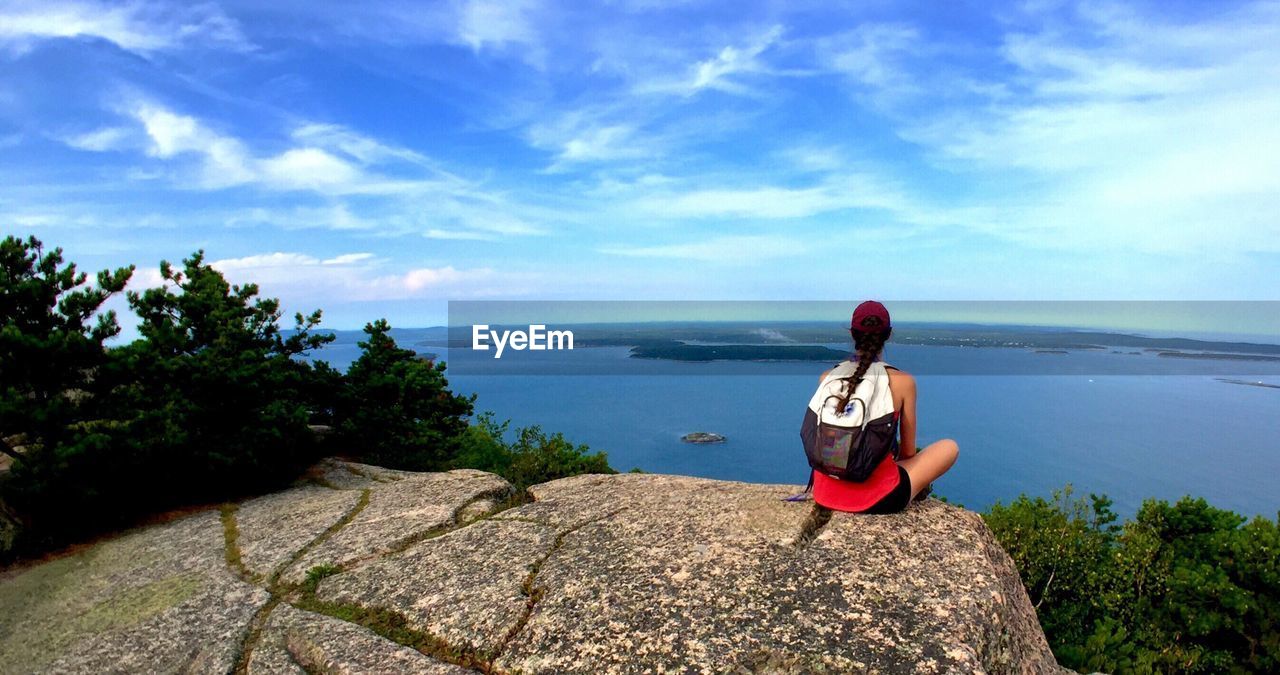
365 570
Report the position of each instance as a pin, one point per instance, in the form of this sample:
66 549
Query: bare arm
907 422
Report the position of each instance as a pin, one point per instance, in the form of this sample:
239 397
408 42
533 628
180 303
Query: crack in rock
535 593
259 619
812 526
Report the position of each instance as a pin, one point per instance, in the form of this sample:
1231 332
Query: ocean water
1127 436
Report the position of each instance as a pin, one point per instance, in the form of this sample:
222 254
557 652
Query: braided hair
866 348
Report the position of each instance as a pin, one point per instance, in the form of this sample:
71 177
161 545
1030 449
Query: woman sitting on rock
887 400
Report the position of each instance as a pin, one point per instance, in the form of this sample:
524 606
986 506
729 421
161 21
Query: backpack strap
803 496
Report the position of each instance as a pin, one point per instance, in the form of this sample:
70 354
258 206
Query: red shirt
843 495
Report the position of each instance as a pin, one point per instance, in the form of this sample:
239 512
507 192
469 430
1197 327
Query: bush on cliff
209 403
395 408
533 457
216 403
52 430
1181 588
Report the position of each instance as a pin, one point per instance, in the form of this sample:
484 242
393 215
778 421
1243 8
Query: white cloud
265 261
348 258
360 148
1106 127
496 23
760 202
503 28
399 191
612 142
458 235
307 169
445 216
642 85
100 140
331 217
814 158
137 26
732 249
586 136
31 220
722 72
299 277
835 192
871 53
425 278
226 162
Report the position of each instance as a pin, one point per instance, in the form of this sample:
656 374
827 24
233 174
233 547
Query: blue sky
376 159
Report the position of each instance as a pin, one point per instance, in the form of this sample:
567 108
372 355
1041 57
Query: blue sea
1130 437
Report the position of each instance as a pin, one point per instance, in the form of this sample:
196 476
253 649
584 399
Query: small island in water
702 437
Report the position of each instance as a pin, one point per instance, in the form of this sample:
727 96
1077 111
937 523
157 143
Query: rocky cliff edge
366 570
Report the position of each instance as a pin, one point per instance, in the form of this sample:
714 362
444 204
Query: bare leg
929 464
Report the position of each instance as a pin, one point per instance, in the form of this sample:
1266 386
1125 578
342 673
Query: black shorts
896 500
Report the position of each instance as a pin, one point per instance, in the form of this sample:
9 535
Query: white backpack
848 444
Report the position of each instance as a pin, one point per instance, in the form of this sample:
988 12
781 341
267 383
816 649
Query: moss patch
55 611
395 627
317 574
231 542
134 605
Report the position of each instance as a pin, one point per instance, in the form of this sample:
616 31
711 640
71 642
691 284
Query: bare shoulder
901 380
824 374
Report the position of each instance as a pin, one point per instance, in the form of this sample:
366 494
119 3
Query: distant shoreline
663 337
1248 383
1218 356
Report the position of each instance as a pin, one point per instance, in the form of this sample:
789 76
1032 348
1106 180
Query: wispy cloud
729 250
357 146
1139 134
142 27
497 24
358 276
606 140
835 192
308 169
224 159
459 235
100 140
488 29
397 190
577 144
872 54
725 72
327 158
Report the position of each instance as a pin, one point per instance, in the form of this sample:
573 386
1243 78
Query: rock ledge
364 570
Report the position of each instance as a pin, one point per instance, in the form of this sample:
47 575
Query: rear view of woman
892 483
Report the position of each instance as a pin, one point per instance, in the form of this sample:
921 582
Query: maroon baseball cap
870 317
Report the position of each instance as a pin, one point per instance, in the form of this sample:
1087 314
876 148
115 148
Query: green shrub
533 457
1060 547
210 403
1181 588
396 409
216 402
482 447
53 428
